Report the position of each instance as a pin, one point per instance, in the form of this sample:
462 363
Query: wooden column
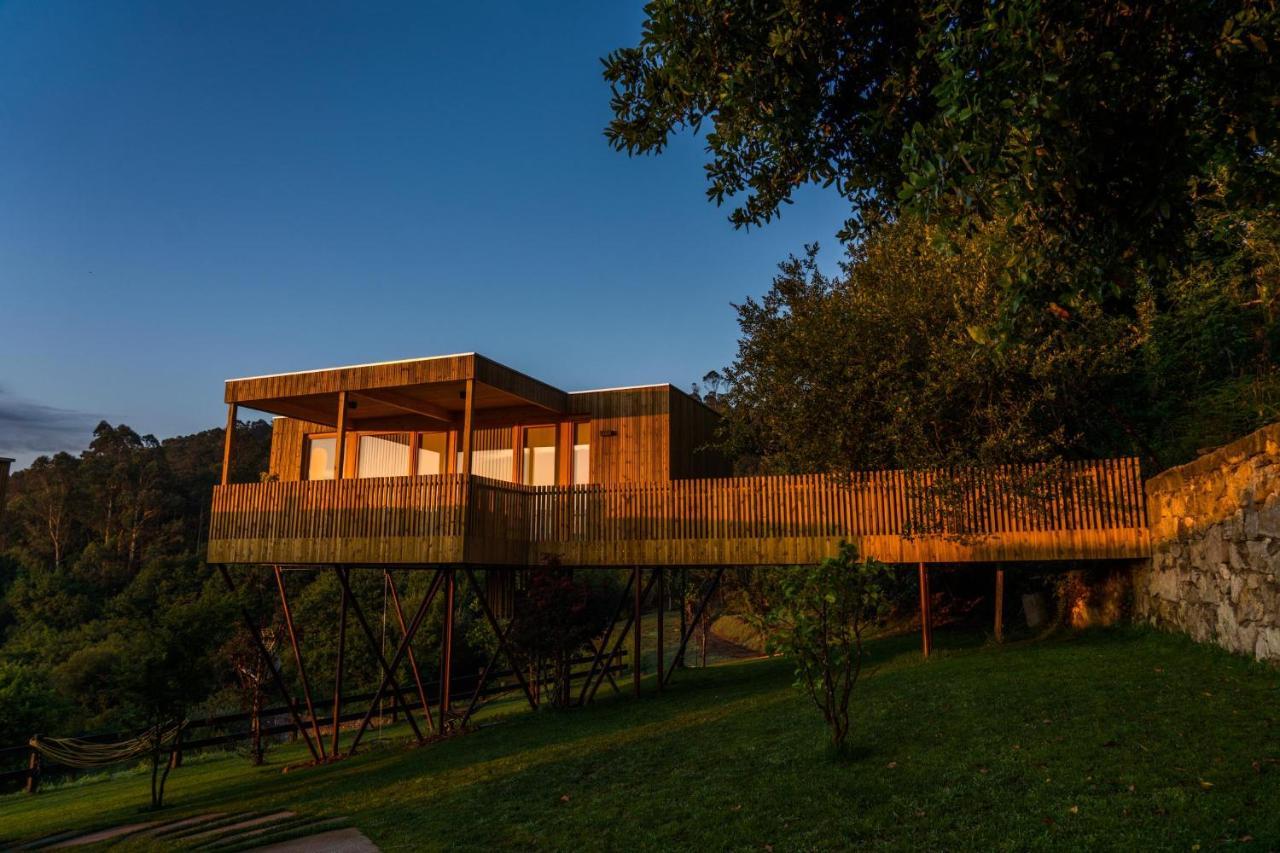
635 629
926 614
999 605
337 671
468 411
662 606
340 443
228 440
446 652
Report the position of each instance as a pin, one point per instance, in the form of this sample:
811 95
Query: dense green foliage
820 621
1101 741
895 362
1095 128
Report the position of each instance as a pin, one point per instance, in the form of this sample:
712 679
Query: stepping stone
115 832
185 823
249 823
349 840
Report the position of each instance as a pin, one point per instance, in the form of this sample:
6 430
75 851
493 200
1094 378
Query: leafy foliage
1096 130
820 621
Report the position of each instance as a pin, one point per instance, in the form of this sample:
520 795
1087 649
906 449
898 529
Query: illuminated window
581 454
320 458
431 452
539 462
383 455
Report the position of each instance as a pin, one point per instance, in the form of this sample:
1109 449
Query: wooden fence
223 729
1077 510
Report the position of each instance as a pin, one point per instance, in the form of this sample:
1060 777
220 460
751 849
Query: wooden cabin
414 418
461 460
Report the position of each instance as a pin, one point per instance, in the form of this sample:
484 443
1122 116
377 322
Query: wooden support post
703 601
228 442
255 634
446 652
468 411
635 628
413 661
684 620
501 635
33 771
337 671
297 657
926 615
622 636
999 605
599 654
388 669
340 442
662 607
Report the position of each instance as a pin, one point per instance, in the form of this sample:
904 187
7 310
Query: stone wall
1215 543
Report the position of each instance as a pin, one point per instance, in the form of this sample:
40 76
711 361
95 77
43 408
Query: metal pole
297 656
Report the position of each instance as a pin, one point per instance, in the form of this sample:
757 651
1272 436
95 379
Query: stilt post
926 616
635 630
999 605
297 657
446 651
662 606
337 672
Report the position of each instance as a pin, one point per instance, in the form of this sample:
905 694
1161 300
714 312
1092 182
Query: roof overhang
431 390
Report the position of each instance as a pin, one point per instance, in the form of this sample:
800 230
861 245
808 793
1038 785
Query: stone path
280 831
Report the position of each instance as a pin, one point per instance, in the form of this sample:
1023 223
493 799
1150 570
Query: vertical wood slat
760 518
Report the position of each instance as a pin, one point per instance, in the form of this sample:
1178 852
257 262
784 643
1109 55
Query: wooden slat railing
1074 510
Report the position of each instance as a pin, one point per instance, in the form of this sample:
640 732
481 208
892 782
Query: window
320 458
539 460
385 455
581 454
494 464
431 452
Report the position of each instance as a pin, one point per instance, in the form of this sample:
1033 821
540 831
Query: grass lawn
1107 739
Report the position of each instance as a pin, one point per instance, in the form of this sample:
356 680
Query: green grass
1117 740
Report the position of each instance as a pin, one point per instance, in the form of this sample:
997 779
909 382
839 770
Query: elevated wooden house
456 462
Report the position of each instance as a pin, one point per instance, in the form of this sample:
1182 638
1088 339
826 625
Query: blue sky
196 191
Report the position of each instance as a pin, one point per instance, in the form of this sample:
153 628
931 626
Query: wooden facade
634 482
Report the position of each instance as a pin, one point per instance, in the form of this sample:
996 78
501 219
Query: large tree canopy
1099 127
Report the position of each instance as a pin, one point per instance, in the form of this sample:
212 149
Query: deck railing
1077 509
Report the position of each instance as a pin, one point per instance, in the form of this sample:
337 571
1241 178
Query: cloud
28 428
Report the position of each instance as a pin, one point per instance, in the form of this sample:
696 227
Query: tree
819 623
1096 129
895 362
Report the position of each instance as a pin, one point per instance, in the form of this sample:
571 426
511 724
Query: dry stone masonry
1215 543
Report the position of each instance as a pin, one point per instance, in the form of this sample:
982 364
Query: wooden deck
1083 511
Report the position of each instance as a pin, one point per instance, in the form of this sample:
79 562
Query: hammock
76 752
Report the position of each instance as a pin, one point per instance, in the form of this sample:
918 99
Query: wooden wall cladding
288 437
630 437
693 429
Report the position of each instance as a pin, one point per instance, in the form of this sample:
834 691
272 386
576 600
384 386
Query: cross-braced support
413 661
255 634
388 670
337 672
604 642
711 586
504 648
639 592
297 657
